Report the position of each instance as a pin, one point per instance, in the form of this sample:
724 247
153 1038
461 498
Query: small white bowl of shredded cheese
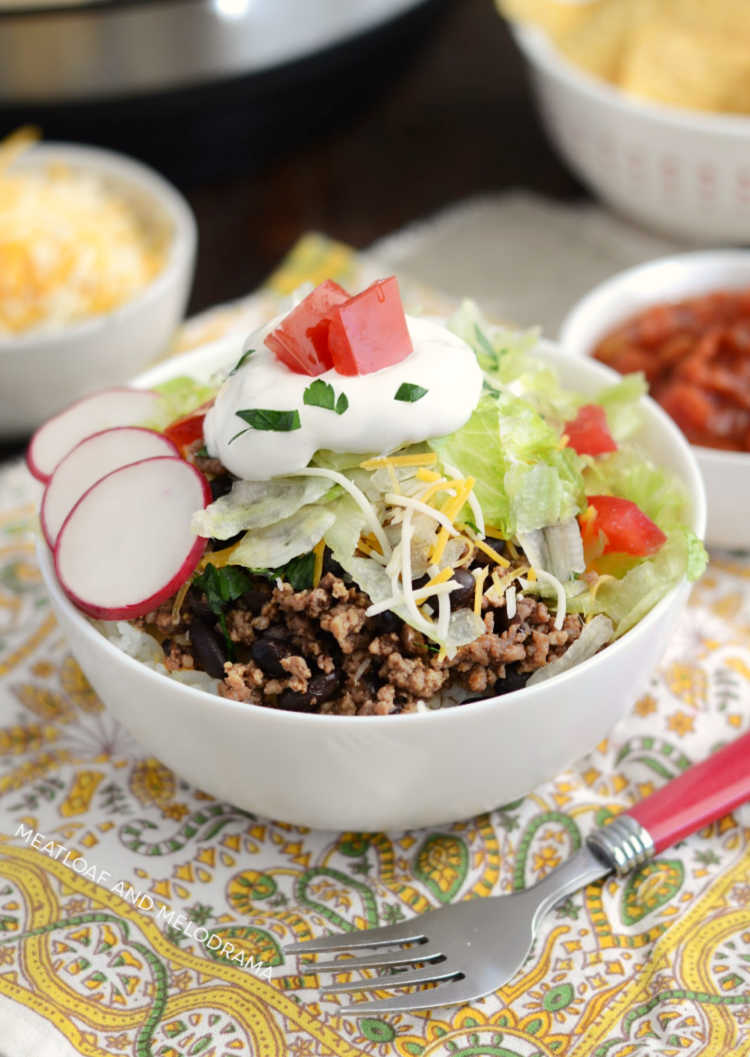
97 253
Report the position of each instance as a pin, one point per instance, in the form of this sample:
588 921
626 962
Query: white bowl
726 473
682 172
42 372
384 772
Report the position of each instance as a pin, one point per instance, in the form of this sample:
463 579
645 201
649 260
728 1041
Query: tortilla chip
688 53
693 66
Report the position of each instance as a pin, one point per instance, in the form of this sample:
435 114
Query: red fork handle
698 796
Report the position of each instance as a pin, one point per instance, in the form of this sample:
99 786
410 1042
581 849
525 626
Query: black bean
254 599
219 545
385 622
420 581
291 701
267 654
501 621
322 687
330 565
497 545
514 680
221 485
463 595
199 607
276 632
209 649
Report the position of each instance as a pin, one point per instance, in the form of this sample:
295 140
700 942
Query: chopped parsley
299 571
321 394
222 586
410 393
268 419
242 361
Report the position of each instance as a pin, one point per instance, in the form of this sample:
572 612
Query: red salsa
696 357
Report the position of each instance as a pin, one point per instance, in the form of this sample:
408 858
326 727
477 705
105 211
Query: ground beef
317 651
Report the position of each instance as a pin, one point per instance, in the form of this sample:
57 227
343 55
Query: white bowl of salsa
642 318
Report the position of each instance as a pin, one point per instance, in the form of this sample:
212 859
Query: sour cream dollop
374 421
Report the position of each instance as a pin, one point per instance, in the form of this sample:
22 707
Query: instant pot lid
96 49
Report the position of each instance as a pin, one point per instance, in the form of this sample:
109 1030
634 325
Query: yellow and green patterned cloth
656 964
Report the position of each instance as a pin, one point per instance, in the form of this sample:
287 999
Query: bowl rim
693 483
166 198
539 49
691 261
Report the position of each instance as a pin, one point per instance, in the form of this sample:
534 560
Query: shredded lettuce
524 480
630 473
275 545
621 403
256 504
181 396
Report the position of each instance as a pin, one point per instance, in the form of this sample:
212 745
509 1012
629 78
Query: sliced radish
92 459
126 546
103 410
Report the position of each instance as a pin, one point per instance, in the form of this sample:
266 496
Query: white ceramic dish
681 172
42 372
384 772
726 473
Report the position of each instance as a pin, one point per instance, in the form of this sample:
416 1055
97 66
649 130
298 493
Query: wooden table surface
453 119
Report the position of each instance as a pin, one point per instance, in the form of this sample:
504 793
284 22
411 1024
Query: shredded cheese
359 498
70 246
420 596
218 558
441 485
472 500
438 578
510 602
427 475
498 559
426 459
318 551
450 508
480 575
563 442
512 550
417 618
422 508
500 583
531 576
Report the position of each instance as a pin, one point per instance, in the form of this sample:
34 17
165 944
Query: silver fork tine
425 952
404 932
428 975
452 993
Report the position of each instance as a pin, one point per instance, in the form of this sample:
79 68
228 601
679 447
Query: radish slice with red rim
91 414
126 546
92 459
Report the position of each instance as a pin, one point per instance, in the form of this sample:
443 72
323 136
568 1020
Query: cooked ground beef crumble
316 651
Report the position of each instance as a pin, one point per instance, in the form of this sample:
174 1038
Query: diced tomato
186 430
301 339
369 332
588 433
625 526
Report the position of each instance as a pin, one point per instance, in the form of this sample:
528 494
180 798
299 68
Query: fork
473 947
